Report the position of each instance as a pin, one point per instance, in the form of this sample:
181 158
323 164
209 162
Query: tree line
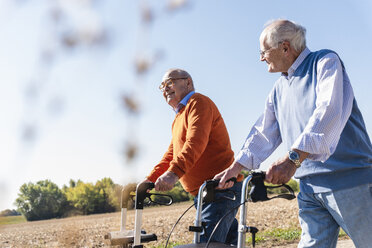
45 200
9 212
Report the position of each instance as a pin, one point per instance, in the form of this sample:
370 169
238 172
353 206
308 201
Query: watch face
293 155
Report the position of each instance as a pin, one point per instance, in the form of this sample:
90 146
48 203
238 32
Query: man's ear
286 46
189 83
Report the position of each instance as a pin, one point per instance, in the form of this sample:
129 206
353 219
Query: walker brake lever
168 203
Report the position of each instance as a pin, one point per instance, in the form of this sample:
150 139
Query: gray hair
284 30
176 73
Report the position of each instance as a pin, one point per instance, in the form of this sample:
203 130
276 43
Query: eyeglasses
169 83
264 52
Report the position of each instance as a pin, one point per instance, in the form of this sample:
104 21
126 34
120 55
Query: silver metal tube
123 219
198 219
242 216
137 227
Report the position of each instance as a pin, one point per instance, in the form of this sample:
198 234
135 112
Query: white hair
283 30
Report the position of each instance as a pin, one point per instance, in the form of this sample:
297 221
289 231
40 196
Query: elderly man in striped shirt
312 110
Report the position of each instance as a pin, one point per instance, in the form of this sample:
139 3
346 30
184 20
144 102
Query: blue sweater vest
294 103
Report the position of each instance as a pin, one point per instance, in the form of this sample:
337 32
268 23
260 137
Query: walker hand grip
141 193
215 182
259 189
232 179
211 189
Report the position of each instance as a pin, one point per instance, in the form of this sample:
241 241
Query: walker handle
141 193
211 189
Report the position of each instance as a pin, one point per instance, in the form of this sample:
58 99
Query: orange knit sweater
200 146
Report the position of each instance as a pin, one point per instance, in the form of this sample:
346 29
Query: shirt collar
183 102
297 63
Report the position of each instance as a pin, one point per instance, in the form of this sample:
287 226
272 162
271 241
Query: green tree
86 198
72 183
43 200
107 200
8 212
82 197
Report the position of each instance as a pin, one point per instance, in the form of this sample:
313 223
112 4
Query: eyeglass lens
163 85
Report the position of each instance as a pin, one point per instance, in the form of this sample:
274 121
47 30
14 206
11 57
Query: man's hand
145 181
280 171
232 171
166 181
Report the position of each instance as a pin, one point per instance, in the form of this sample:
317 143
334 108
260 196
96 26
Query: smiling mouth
169 94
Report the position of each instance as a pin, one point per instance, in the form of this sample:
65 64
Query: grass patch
5 220
280 236
342 233
276 236
259 238
285 234
170 244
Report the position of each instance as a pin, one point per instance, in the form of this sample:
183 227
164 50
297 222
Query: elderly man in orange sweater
200 148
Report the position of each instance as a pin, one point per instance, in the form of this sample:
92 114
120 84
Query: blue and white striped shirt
334 101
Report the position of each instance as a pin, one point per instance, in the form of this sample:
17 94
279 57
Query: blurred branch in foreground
78 27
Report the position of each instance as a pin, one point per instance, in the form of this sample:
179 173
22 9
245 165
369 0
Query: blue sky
216 41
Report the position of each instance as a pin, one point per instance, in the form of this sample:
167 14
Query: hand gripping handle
215 182
211 189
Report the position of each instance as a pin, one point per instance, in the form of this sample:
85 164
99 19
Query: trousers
322 214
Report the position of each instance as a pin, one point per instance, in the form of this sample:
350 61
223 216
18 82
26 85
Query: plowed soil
89 231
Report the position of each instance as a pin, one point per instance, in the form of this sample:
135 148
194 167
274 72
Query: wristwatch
295 158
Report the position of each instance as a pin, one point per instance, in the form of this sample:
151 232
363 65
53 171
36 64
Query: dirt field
89 231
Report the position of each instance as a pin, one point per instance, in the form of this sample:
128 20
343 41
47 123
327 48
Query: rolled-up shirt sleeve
262 140
334 101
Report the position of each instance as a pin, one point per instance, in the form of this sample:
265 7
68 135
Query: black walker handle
211 189
215 182
141 193
259 189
